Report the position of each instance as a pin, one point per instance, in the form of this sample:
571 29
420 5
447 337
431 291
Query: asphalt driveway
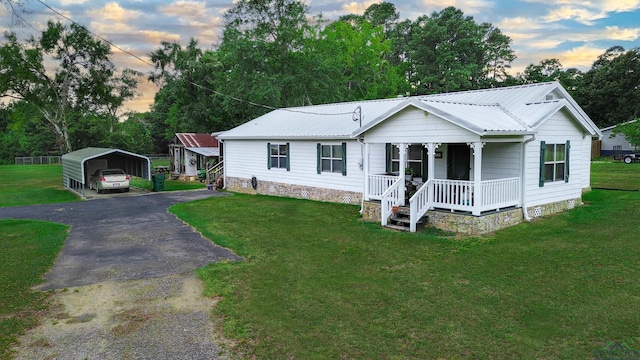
123 238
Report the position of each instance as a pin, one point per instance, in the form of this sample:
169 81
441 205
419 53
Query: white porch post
431 166
477 177
365 166
403 164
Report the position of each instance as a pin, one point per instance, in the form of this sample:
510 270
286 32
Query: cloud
616 33
184 8
467 6
155 37
580 15
110 28
358 8
581 57
585 12
72 2
546 44
114 12
620 5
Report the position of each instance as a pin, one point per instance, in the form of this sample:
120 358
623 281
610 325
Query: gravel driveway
124 281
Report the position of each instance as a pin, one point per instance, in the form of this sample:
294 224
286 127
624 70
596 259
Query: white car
109 179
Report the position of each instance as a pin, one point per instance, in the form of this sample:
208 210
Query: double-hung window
278 156
416 160
554 162
332 158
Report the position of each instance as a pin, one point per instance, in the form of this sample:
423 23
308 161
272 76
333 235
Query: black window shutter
566 159
344 159
543 150
389 152
319 161
268 155
425 164
288 160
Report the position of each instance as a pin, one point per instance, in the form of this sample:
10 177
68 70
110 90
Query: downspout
364 186
224 163
525 212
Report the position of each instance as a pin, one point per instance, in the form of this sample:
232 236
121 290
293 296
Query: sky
574 31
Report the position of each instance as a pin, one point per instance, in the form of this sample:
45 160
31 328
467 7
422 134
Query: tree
83 81
448 51
610 90
360 51
185 102
270 57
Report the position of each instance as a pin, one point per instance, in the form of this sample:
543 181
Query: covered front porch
469 179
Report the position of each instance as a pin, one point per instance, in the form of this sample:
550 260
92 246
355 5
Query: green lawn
32 184
319 283
29 248
42 184
615 175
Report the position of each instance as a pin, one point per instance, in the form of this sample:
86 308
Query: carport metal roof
73 163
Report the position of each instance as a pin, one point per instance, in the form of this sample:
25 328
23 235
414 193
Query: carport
77 166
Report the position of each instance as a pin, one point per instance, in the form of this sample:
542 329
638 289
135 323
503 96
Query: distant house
617 143
480 160
190 152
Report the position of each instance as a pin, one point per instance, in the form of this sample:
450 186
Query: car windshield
112 172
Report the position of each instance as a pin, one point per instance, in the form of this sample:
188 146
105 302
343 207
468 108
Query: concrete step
397 227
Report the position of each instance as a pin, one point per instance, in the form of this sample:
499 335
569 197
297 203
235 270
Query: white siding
377 159
413 125
248 158
501 160
557 130
608 143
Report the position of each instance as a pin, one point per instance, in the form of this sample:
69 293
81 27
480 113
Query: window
332 158
416 160
554 162
278 156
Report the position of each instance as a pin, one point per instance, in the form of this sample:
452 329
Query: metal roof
194 140
205 151
319 121
73 162
508 110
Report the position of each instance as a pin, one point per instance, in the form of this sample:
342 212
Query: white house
190 152
481 160
614 145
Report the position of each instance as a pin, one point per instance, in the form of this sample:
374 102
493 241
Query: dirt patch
166 317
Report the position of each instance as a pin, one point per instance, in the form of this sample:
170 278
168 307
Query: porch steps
400 221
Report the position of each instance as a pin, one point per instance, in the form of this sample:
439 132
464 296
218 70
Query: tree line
273 54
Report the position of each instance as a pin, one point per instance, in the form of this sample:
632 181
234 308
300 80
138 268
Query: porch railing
452 195
214 172
378 184
419 204
390 198
501 193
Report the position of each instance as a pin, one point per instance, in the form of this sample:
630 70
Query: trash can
158 182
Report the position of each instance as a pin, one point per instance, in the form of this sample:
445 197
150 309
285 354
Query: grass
42 184
318 283
33 184
610 174
29 248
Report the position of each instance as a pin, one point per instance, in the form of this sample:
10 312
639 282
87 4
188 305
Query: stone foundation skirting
464 223
243 185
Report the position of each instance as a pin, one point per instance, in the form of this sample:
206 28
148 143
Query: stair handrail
388 199
217 170
419 204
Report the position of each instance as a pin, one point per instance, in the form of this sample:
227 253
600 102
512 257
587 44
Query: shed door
458 162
